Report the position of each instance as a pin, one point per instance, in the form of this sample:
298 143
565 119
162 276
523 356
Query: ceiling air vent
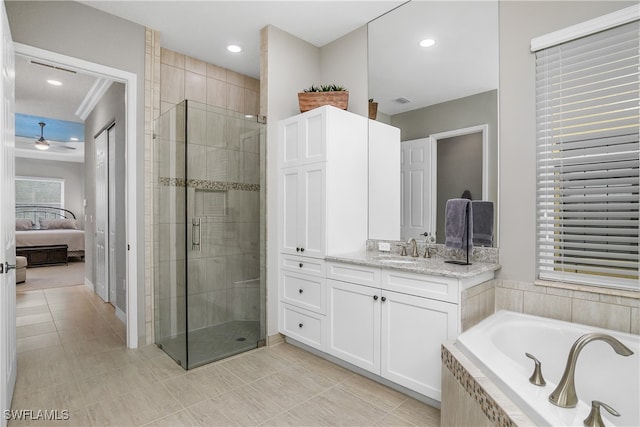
402 100
55 67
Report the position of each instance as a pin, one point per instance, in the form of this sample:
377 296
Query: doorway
450 150
129 81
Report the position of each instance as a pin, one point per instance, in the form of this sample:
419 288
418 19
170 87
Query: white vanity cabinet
322 197
396 335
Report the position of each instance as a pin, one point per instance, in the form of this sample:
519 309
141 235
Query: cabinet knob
299 291
300 265
375 297
383 299
300 325
297 249
301 249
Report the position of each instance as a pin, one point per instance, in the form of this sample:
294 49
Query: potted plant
373 109
317 96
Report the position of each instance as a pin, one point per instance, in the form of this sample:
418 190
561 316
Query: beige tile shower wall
183 77
234 294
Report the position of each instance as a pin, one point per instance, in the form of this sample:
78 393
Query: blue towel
457 225
482 223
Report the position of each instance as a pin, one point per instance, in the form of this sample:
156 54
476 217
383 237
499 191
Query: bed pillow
23 224
58 224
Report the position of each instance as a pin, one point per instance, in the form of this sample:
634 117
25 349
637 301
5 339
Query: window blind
588 119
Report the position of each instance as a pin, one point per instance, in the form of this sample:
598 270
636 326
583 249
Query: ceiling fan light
42 144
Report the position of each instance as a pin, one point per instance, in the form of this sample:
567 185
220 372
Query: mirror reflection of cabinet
450 86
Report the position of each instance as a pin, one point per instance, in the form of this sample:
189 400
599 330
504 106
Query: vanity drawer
302 325
434 287
303 290
306 265
352 273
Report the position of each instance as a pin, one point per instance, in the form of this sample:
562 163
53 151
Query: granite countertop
432 266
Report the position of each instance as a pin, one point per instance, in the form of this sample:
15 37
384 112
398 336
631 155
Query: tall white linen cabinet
323 207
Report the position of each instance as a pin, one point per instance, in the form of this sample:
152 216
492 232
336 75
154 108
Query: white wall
71 172
292 65
519 23
80 31
344 62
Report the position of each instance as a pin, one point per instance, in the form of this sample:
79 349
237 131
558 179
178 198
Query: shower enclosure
209 288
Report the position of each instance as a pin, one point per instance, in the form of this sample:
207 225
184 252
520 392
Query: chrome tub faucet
565 393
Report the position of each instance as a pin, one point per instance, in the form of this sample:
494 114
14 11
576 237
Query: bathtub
498 345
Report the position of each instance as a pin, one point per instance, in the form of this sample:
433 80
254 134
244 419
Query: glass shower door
209 287
170 206
225 301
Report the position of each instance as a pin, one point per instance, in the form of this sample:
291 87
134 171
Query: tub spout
565 393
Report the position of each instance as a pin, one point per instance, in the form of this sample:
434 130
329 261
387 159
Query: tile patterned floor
72 356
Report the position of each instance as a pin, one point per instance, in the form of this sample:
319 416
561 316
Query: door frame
130 80
434 138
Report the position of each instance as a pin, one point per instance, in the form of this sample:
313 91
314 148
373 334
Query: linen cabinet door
413 330
289 212
312 226
354 324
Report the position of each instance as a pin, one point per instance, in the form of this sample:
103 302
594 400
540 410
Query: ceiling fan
43 144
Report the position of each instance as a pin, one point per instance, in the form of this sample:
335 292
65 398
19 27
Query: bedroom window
587 163
40 191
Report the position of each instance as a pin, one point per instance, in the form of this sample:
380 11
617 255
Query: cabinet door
312 219
354 324
289 209
302 215
413 330
303 138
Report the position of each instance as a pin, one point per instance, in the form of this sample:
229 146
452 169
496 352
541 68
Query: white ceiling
36 97
203 29
463 62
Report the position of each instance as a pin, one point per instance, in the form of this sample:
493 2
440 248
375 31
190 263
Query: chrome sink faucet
414 247
565 393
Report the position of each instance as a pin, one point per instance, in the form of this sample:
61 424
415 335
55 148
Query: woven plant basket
310 100
373 110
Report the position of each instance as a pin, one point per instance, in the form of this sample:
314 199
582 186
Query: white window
588 119
40 191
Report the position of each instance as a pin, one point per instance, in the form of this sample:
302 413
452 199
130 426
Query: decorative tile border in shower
494 412
203 184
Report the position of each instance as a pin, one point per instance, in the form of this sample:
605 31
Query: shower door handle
196 234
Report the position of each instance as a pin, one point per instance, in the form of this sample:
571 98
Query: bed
47 235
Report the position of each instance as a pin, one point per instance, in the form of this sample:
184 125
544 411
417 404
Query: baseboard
275 339
89 284
121 315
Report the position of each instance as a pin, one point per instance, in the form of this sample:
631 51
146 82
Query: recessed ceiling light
73 139
427 42
233 48
54 82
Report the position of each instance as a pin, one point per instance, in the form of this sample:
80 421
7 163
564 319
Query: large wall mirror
444 100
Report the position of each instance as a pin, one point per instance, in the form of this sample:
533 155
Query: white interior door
102 201
415 192
8 361
111 139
